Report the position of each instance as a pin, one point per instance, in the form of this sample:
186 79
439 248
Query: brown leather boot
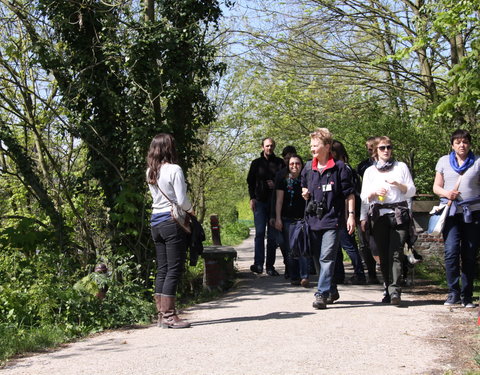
158 304
170 318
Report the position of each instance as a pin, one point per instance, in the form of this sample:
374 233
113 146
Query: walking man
261 185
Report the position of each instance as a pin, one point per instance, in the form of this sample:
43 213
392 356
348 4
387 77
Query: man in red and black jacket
261 185
326 184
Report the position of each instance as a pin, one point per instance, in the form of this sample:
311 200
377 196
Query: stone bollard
219 270
215 228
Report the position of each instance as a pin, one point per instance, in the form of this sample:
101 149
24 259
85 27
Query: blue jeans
171 248
261 217
461 246
325 247
298 267
349 244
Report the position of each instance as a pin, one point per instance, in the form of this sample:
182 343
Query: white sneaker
468 305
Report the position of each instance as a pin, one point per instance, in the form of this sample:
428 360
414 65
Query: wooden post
215 227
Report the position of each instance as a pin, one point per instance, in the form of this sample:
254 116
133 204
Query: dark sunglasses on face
295 163
383 148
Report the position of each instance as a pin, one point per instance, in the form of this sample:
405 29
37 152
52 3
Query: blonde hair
322 134
379 140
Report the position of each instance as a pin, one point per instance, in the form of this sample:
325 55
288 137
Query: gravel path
265 326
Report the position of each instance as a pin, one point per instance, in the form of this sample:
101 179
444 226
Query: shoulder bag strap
457 184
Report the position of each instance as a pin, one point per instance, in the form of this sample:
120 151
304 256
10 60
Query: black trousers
171 249
389 240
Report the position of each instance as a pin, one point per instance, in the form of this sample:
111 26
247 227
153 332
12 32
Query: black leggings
171 249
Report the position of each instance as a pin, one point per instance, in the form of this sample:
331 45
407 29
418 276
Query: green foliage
17 339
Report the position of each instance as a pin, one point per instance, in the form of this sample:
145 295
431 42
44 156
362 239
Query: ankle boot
158 304
170 318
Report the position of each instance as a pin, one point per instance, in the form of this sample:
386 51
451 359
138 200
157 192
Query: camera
315 208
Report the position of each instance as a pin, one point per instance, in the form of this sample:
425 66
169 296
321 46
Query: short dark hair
460 134
288 150
339 152
264 139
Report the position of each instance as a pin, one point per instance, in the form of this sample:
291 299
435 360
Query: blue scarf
466 164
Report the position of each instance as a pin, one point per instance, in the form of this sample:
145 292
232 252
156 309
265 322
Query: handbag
439 214
437 219
299 239
180 216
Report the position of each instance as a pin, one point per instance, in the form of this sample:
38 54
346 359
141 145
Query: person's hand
351 224
452 194
278 224
271 184
305 194
381 192
363 225
271 222
252 204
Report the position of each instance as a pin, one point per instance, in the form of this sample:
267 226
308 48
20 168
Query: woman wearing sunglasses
386 191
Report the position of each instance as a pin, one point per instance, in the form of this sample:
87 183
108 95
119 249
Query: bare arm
278 209
351 217
440 191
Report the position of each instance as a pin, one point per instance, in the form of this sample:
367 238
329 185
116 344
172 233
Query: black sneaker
357 280
468 304
256 268
272 272
373 280
386 297
333 297
395 298
452 299
320 302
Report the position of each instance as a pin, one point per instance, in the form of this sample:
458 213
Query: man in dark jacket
326 185
261 184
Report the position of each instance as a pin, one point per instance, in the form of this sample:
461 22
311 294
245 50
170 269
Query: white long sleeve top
374 180
172 182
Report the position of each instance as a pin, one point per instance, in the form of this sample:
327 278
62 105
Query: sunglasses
383 148
295 163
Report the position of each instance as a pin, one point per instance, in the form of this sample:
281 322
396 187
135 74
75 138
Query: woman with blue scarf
457 180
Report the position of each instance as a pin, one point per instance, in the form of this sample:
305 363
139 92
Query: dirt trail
266 326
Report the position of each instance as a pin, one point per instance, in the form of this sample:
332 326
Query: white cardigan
172 182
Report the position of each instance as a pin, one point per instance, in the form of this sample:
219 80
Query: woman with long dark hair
167 184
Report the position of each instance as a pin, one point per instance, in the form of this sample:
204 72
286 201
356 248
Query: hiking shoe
305 283
333 297
320 302
452 299
373 280
357 280
395 298
256 268
272 272
295 282
468 304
